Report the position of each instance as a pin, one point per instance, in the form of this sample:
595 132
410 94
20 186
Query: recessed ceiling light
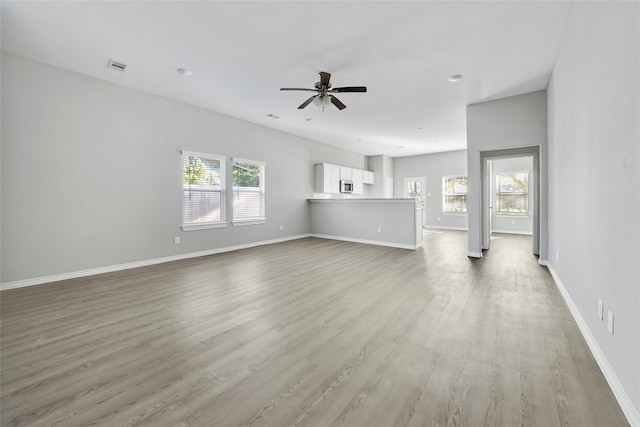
308 119
422 129
184 71
455 77
399 146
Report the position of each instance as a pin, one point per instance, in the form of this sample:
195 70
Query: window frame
497 212
262 218
222 190
445 194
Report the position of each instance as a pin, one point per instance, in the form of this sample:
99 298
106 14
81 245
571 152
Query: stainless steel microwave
346 186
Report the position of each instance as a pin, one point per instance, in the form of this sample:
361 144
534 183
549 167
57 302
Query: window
512 193
202 191
454 194
248 192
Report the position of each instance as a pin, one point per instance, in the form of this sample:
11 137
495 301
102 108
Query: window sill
455 213
192 227
242 222
513 215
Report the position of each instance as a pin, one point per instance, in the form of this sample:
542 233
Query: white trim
543 262
440 227
366 241
474 254
632 414
191 227
240 222
526 233
136 264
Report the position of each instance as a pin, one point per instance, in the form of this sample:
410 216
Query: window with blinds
248 192
454 194
202 191
512 193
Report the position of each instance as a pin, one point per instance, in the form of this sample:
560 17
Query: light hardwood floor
310 332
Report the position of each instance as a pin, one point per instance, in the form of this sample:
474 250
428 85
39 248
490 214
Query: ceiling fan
325 91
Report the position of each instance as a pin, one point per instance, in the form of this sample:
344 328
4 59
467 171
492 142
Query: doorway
415 187
487 198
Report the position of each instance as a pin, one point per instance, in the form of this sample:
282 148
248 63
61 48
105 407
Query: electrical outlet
176 240
379 229
557 255
600 310
610 322
281 227
438 218
513 222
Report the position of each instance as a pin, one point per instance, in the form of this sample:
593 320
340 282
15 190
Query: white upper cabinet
368 177
346 173
328 178
357 176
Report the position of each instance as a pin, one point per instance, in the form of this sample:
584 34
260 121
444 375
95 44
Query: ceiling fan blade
349 89
298 88
324 78
307 102
335 101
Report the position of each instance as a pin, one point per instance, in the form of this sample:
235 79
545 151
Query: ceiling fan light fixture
184 71
322 101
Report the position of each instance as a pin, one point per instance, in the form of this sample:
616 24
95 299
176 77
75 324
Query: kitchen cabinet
346 173
327 178
357 176
368 177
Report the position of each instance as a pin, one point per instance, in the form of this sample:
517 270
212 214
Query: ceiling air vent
115 65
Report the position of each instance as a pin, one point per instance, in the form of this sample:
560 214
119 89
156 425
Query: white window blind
248 191
454 194
512 193
202 190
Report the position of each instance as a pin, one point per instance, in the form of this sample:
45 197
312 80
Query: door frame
485 157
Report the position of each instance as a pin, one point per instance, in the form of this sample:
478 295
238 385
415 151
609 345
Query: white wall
517 224
594 179
433 167
91 173
517 121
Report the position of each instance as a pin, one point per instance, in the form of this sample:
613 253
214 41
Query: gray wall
518 224
360 220
91 173
517 121
433 167
594 177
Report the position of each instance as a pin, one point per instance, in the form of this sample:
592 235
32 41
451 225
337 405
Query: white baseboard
630 411
474 254
438 227
526 233
368 242
543 262
112 268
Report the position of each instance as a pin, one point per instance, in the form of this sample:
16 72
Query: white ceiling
241 53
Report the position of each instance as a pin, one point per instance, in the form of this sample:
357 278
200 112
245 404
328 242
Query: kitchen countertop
362 200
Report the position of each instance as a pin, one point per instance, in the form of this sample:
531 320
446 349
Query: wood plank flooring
310 332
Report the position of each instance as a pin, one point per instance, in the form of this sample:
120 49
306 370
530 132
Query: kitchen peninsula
386 222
